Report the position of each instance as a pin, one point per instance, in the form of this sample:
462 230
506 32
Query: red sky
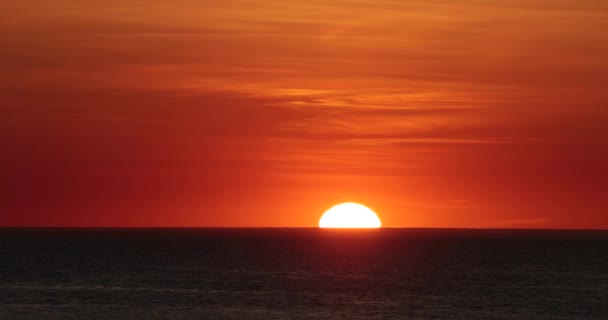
266 113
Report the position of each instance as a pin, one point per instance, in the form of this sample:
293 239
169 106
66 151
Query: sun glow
349 215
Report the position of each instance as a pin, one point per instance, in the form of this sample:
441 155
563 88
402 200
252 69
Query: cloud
485 101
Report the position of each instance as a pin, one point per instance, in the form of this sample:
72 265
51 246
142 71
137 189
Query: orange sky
266 113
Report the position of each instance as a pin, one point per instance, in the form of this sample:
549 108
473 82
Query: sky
251 113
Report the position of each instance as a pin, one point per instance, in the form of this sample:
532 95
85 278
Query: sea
303 274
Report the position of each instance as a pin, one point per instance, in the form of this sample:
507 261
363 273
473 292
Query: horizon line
277 228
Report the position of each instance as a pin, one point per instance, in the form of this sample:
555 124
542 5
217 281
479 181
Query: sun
349 215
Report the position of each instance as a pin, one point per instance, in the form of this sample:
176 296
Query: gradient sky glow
266 113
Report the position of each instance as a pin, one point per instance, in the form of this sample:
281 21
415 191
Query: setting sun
349 215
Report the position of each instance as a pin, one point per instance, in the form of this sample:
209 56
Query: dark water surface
302 274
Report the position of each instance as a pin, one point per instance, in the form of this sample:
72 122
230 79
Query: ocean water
302 274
